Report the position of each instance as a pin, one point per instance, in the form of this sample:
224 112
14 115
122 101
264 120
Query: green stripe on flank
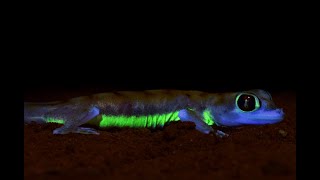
53 120
208 118
149 121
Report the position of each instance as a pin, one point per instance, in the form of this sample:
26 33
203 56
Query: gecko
155 109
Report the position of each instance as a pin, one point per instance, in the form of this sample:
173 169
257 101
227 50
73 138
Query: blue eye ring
248 106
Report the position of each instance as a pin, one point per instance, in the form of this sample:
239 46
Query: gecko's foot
61 130
83 130
204 129
220 134
79 130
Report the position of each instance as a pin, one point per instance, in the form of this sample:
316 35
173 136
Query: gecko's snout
280 111
278 115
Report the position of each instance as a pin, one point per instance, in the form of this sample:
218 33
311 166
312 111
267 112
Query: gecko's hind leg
192 116
36 119
72 126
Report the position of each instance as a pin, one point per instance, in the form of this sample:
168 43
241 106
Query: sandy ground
177 151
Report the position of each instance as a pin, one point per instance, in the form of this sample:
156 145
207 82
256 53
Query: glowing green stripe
53 120
208 118
150 121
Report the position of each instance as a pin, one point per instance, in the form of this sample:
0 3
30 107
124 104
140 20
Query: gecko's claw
221 134
79 130
61 130
83 130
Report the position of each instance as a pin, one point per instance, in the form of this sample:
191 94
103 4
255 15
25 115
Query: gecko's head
254 107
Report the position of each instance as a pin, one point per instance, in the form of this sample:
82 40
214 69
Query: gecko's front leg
72 125
192 116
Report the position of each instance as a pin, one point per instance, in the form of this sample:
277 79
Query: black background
139 77
216 55
58 56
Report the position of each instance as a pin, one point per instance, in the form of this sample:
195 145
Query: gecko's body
156 108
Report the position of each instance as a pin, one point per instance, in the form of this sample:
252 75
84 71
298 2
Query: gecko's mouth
263 117
259 117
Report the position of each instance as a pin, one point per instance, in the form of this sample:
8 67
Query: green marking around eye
156 120
257 103
53 120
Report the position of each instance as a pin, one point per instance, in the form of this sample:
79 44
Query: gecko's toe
79 130
60 130
221 134
83 130
204 129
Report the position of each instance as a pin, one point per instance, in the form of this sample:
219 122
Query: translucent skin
154 108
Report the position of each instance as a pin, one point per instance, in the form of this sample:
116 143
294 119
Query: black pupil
246 103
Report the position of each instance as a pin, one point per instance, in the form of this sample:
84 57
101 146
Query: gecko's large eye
247 102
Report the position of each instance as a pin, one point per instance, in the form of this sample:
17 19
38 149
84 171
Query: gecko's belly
149 121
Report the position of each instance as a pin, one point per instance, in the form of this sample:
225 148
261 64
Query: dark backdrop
99 79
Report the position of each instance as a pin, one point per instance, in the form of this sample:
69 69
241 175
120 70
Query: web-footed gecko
156 108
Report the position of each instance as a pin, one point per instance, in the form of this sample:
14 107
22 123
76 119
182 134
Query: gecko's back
147 102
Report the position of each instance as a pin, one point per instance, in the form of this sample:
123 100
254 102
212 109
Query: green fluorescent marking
151 121
53 120
257 103
208 118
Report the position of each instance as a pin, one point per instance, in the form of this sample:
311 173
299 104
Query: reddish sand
177 151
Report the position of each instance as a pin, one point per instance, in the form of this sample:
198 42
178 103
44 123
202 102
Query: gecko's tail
34 112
